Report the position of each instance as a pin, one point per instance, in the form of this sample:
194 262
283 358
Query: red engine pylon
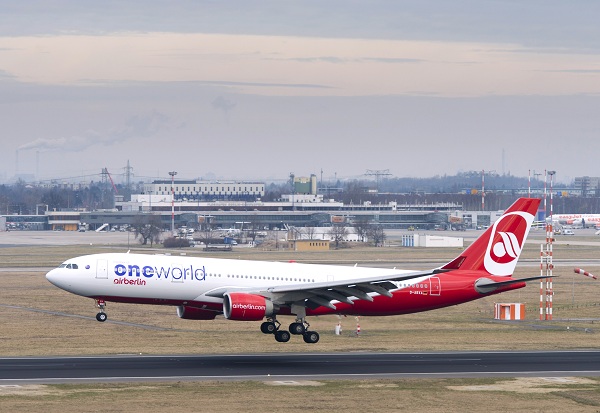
583 272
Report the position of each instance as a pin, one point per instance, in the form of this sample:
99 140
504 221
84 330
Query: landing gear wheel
268 327
311 337
282 336
101 316
297 328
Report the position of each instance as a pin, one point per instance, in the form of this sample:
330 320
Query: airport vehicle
202 288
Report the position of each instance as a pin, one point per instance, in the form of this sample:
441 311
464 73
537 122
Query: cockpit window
71 266
62 265
74 266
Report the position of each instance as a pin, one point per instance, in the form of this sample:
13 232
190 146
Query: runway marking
531 385
283 354
267 377
294 383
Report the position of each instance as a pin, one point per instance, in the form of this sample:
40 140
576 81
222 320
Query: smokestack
17 162
37 164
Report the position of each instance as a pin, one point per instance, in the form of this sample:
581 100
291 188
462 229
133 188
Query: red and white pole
549 291
541 282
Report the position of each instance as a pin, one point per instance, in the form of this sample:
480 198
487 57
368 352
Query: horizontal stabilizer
486 286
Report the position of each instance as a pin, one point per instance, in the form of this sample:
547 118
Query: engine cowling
246 307
195 313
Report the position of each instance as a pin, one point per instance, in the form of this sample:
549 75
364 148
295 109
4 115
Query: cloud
141 126
4 75
339 60
223 104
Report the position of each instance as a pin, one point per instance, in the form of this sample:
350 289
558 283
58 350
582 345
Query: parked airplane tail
497 250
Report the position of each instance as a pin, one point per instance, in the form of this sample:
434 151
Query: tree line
464 189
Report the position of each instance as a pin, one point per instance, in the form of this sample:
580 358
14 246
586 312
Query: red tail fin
497 250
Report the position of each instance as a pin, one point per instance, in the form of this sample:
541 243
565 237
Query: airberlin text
147 272
129 282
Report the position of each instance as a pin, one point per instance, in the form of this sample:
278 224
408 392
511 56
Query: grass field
39 319
416 395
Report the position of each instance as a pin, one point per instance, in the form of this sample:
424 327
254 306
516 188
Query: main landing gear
101 316
299 327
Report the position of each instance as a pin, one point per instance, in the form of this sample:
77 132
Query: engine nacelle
246 307
195 313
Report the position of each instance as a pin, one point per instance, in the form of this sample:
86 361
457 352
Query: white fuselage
190 279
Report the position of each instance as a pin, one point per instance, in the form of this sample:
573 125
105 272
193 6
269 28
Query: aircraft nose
54 277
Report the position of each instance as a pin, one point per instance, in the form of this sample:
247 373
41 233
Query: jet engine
246 307
195 313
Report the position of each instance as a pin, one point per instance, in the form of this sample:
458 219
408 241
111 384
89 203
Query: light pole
172 173
483 188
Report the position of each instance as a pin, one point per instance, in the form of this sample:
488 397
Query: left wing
321 294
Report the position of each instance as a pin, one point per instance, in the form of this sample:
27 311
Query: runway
293 367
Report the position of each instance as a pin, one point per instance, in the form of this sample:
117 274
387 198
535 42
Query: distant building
587 185
305 186
309 245
206 191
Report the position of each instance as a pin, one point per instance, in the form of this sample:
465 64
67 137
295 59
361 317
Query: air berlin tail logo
506 242
508 248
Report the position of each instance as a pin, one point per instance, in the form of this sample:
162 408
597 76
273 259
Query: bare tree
206 233
295 233
338 233
310 232
147 227
377 234
362 226
252 226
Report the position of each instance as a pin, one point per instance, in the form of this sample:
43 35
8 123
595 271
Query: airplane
202 288
576 220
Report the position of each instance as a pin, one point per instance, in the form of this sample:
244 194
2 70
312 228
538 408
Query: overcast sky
259 89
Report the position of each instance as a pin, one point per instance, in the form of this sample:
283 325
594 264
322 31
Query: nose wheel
101 316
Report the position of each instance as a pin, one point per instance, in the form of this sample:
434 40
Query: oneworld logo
506 243
173 273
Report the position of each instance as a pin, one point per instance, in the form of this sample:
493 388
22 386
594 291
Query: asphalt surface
265 367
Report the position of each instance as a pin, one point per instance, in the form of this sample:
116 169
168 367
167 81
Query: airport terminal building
204 190
236 204
292 211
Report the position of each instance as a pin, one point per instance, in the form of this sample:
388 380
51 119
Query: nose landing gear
101 316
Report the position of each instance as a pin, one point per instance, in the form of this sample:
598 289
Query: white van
568 232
